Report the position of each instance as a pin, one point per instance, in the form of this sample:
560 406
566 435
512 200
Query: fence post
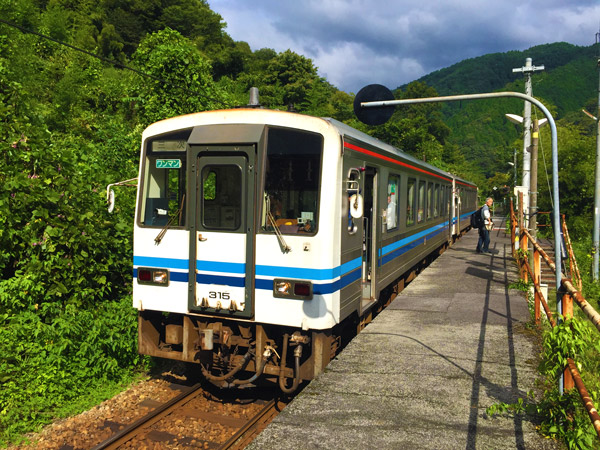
524 245
513 225
536 281
567 309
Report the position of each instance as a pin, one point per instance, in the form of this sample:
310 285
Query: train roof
258 115
347 130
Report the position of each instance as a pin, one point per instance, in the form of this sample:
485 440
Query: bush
46 366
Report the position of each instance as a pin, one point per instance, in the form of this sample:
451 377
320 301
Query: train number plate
220 297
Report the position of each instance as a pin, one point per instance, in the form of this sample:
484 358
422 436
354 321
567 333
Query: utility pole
596 233
597 184
527 70
533 197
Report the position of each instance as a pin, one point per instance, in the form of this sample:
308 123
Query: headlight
297 289
157 277
283 287
160 277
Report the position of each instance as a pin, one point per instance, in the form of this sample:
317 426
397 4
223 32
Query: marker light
296 289
302 289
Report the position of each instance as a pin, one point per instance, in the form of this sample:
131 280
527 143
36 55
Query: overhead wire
107 60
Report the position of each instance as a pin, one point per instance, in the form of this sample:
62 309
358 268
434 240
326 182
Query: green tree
576 176
289 79
181 80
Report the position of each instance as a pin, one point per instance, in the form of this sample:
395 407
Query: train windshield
163 178
293 169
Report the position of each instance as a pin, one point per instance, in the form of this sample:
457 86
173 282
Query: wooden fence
569 294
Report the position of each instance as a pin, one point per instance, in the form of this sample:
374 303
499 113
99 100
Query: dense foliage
71 122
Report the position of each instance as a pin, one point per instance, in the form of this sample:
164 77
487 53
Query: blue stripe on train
318 289
348 272
400 251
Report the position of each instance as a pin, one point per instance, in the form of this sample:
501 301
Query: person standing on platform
484 232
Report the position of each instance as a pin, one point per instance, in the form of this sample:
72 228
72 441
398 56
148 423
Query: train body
258 232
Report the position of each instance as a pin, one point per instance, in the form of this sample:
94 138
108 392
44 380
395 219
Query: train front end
234 251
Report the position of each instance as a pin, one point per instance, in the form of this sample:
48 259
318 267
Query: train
260 234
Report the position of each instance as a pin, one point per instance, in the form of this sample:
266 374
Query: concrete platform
423 372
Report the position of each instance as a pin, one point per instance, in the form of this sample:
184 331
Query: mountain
480 129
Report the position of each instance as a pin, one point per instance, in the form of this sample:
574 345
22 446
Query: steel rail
240 439
132 430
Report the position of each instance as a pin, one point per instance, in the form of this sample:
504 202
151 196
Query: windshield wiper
284 247
159 237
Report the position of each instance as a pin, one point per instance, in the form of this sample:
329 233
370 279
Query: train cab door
222 238
370 238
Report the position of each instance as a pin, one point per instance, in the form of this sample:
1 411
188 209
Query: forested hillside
79 81
481 133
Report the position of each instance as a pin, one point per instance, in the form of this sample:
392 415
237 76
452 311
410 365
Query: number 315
219 295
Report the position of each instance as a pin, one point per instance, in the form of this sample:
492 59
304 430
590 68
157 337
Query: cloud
357 42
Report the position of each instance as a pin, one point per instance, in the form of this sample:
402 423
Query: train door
456 206
222 247
370 238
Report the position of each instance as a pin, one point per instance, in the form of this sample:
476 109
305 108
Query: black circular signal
377 115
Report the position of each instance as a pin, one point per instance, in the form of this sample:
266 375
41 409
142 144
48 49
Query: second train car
259 232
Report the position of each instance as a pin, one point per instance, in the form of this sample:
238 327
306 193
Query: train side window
410 202
445 205
391 216
421 205
430 201
436 200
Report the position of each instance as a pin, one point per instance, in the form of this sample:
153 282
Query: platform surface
422 374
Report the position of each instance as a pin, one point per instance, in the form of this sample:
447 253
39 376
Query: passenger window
391 216
410 202
436 200
430 200
421 205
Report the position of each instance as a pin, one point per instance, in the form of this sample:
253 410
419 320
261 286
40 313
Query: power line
101 58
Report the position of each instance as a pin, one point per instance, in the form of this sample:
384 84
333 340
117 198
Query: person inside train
391 212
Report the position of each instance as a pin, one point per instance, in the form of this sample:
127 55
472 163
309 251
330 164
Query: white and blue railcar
259 232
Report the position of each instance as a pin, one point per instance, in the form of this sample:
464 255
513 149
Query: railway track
188 421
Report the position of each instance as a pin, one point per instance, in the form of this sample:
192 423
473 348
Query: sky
354 43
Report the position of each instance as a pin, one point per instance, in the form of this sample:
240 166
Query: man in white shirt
484 232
